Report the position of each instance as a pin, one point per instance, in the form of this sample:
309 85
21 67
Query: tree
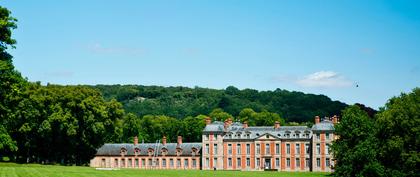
399 135
356 149
192 128
11 82
219 115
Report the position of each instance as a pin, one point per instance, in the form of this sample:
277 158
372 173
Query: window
267 148
258 149
248 149
207 162
194 163
229 148
214 162
248 162
215 137
238 162
327 149
206 137
327 136
277 162
157 162
307 148
150 162
122 162
178 163
207 148
327 162
171 162
116 162
258 162
318 149
215 149
137 162
238 149
297 163
277 148
287 148
164 162
143 162
297 149
185 163
317 136
318 162
130 163
230 162
288 162
307 162
267 136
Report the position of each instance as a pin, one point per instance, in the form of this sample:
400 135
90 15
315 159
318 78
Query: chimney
179 140
226 125
277 125
245 124
335 119
136 140
208 120
164 140
316 119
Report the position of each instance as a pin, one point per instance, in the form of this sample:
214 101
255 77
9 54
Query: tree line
181 102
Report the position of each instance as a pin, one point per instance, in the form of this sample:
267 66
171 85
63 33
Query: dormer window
136 151
164 151
123 151
178 151
278 135
258 134
194 151
150 151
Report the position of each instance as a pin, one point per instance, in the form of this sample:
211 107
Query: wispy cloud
320 79
326 79
100 49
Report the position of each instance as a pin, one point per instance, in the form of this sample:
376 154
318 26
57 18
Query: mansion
232 146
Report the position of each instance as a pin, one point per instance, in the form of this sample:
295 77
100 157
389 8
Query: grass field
35 170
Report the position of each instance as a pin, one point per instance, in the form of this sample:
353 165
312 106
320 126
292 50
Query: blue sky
323 47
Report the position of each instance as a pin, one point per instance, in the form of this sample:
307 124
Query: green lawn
34 170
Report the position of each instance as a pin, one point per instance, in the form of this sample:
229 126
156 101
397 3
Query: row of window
151 163
327 136
268 149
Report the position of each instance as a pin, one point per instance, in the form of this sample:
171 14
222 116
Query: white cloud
324 79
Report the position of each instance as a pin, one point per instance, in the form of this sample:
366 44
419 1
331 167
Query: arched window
194 151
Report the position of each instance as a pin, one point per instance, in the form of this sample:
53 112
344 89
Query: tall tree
399 135
11 82
356 148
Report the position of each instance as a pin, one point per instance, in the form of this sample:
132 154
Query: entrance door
267 164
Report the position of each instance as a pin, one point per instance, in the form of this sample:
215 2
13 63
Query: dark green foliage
11 82
63 124
356 149
181 102
399 135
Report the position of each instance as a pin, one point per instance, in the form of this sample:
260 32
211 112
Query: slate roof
324 125
236 131
115 149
